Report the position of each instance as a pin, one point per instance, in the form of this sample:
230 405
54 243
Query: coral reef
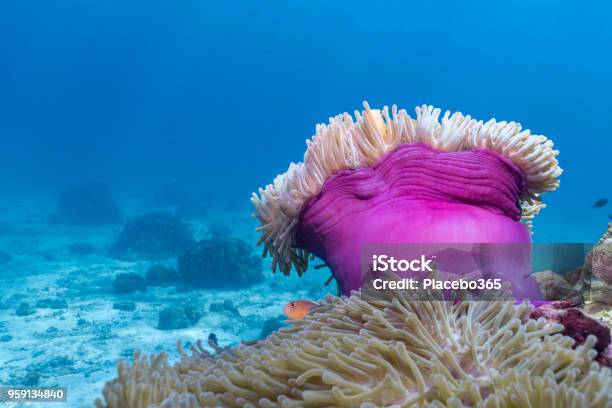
587 283
555 287
381 352
597 271
212 261
600 292
86 204
573 295
177 318
600 311
153 236
600 259
160 275
578 326
128 282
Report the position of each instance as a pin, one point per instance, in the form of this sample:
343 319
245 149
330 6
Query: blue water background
220 96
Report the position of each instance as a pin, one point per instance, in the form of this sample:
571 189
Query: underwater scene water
134 133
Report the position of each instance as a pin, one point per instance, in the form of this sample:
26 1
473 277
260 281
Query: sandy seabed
77 345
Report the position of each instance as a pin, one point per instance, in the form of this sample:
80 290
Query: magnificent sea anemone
391 351
385 177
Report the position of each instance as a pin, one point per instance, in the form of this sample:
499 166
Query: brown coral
392 351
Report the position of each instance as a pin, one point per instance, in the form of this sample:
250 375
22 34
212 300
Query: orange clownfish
298 309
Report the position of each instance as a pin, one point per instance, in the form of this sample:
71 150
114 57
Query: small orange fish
297 309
